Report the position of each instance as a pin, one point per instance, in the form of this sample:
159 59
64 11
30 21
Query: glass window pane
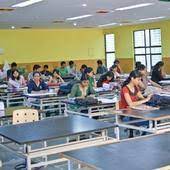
155 37
140 58
148 51
147 38
156 50
155 59
110 42
139 50
139 39
110 58
148 58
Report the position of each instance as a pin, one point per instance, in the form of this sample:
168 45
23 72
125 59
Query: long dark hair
12 77
134 74
137 65
158 65
107 74
141 67
104 77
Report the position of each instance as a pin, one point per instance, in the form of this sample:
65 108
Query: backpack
65 89
88 101
157 100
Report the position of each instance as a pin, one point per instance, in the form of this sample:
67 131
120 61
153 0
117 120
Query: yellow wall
25 46
124 38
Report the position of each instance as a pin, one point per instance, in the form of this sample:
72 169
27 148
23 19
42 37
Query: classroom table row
86 141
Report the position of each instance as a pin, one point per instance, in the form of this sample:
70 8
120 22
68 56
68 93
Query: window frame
146 47
110 52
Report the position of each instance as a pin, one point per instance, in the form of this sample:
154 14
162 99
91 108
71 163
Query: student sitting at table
115 72
56 78
63 69
71 68
90 76
36 84
130 94
16 80
144 79
101 69
157 72
117 63
13 67
46 72
82 89
137 64
105 78
36 68
82 69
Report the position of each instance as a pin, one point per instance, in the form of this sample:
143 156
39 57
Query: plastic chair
25 116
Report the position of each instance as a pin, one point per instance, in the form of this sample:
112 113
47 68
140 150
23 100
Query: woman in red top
130 93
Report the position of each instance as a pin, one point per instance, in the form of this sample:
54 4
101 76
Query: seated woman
36 84
90 76
130 93
56 78
115 72
144 78
16 80
82 89
157 72
137 64
117 64
105 78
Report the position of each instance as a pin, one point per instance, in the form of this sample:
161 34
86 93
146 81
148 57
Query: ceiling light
84 5
75 24
105 25
134 6
26 3
146 19
12 27
165 0
78 17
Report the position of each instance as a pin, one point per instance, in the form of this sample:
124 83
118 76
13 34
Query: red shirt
122 103
106 81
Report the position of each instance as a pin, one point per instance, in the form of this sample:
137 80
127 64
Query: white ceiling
42 14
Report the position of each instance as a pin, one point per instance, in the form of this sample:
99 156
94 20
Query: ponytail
134 74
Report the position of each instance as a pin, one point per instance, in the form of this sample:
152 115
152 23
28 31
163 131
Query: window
147 47
109 49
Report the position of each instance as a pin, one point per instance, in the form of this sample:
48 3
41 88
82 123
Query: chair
25 116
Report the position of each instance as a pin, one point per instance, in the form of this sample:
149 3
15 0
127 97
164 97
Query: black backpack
88 101
65 89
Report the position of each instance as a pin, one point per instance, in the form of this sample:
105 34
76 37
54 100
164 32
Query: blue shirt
33 87
101 70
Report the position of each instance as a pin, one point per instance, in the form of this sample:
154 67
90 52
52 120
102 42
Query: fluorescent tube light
26 3
147 19
105 25
134 6
78 17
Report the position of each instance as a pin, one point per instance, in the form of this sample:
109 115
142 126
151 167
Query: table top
51 128
158 114
145 153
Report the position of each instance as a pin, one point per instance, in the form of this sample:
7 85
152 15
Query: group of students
131 91
38 80
137 82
